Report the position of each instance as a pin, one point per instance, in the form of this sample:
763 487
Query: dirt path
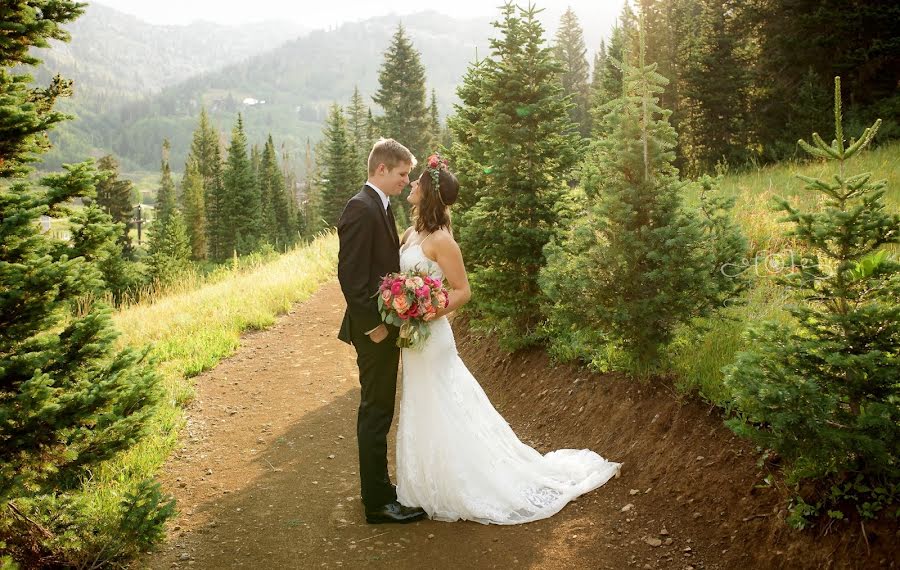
266 473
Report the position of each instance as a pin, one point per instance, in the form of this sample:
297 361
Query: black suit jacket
369 250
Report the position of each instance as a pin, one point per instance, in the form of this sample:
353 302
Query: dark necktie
390 217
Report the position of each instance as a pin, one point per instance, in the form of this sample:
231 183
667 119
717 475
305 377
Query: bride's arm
449 257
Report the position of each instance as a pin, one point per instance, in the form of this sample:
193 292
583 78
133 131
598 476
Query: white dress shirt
385 201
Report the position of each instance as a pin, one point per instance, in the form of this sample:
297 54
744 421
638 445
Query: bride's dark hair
433 211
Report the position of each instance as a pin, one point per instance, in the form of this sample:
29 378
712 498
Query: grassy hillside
699 358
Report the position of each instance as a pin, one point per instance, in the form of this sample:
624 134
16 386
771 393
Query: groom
369 249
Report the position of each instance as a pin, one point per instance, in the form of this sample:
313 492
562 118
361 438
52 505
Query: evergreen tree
165 195
271 190
114 197
306 199
468 153
314 207
338 180
715 87
434 127
572 54
204 146
206 153
170 248
805 106
401 93
650 264
663 28
855 40
358 132
194 206
607 81
527 143
822 392
169 245
290 185
598 97
216 209
242 218
69 400
372 130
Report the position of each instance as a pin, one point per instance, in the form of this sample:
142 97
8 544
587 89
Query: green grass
698 354
191 329
755 190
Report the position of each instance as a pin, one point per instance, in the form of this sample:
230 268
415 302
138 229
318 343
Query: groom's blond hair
391 154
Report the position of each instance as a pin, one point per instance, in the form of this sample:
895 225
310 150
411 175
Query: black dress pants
378 363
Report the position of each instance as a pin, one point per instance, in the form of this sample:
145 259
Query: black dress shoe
394 512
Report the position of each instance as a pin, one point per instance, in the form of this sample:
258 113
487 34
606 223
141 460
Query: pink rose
386 296
401 305
442 300
433 161
396 288
423 292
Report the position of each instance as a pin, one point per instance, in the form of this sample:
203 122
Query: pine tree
338 180
401 93
291 224
607 81
165 195
169 245
434 127
715 87
216 208
306 199
663 27
468 153
271 191
170 248
206 153
598 96
523 137
794 37
373 130
114 197
572 54
69 400
314 222
242 218
358 132
652 265
194 206
822 392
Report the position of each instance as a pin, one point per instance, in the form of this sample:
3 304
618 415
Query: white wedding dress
457 458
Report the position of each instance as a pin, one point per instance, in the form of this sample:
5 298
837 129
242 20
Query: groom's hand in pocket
379 334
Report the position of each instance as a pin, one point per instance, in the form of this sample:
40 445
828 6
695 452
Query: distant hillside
297 82
113 53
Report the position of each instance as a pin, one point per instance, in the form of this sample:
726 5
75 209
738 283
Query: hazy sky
597 16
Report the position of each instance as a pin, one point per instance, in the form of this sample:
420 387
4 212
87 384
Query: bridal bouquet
409 300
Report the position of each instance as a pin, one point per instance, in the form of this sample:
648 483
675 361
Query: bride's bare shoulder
443 238
406 234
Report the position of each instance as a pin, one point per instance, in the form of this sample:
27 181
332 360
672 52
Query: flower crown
435 164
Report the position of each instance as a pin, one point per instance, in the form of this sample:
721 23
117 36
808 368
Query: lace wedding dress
457 458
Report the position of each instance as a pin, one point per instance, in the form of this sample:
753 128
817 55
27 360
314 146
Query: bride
457 458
